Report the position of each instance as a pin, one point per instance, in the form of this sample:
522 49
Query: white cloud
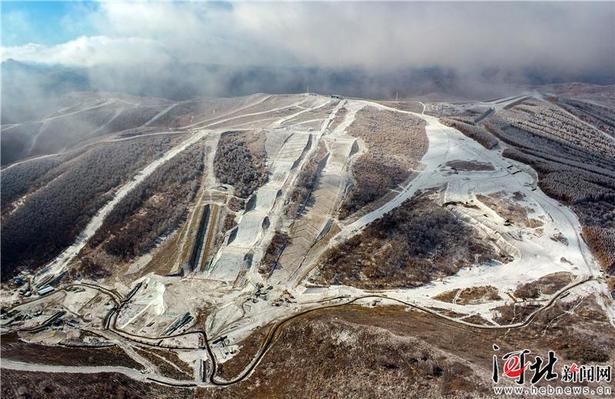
90 51
466 36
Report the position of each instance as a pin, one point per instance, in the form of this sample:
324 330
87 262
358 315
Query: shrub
240 161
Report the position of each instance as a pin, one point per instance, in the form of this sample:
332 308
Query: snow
139 263
251 238
148 301
326 198
229 260
236 311
59 264
535 253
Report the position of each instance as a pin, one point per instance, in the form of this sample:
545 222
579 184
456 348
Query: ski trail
256 113
260 101
61 261
447 143
104 125
28 160
160 114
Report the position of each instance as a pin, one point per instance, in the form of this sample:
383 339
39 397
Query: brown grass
156 356
410 246
509 210
333 352
15 349
447 296
546 285
395 144
475 295
469 165
248 349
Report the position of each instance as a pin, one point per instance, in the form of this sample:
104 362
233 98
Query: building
46 289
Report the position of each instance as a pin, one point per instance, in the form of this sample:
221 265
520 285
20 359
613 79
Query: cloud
458 35
201 32
91 51
375 35
340 34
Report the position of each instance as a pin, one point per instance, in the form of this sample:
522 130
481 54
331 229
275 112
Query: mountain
227 241
181 81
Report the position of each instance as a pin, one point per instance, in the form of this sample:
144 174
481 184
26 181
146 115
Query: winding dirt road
211 378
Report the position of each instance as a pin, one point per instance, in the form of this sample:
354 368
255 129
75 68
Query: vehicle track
212 380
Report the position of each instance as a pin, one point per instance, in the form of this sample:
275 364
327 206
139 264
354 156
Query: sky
43 22
564 37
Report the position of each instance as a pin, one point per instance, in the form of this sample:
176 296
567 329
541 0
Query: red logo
513 368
